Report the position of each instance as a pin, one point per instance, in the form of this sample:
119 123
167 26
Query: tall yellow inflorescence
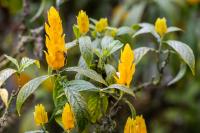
161 26
55 40
136 125
40 115
101 25
68 118
83 22
126 67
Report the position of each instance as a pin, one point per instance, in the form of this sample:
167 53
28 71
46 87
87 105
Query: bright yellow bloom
136 125
193 2
126 67
40 115
55 40
83 22
161 26
101 24
68 117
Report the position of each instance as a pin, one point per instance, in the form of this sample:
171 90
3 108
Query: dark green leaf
185 53
85 46
79 107
70 45
180 74
88 73
109 45
28 89
96 105
124 30
5 74
147 28
82 85
140 52
110 72
120 87
26 62
13 60
173 29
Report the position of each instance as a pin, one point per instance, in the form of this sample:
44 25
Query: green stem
133 111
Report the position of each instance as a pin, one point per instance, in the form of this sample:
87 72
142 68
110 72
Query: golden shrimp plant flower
68 118
161 26
83 22
55 40
101 25
136 125
126 67
40 115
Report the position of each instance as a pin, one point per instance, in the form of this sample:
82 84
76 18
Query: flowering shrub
84 103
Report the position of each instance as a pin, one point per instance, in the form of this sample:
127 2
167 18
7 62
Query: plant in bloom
136 125
161 26
68 118
40 115
83 22
126 67
101 25
55 40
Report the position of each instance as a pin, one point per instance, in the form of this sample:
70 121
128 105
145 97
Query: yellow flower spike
161 26
55 40
101 25
83 22
40 115
126 67
136 125
68 118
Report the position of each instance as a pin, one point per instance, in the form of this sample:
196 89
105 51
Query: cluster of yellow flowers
101 24
136 125
55 40
41 118
126 66
55 43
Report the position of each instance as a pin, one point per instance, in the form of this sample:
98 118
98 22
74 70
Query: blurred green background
173 109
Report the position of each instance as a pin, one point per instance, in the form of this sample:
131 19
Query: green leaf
88 73
124 30
82 85
59 97
28 89
78 105
120 87
185 53
147 28
173 29
180 74
96 105
5 74
105 41
26 62
13 60
70 45
76 31
140 52
35 131
109 45
110 73
85 46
